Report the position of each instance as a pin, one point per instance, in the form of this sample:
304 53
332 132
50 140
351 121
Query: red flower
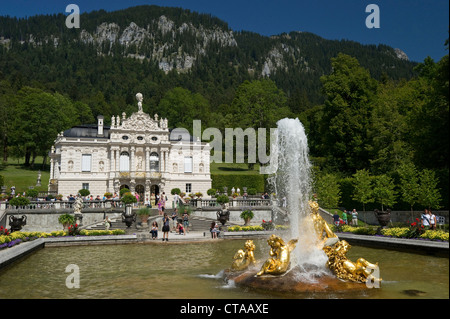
413 224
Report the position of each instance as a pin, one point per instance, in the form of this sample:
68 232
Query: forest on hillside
362 107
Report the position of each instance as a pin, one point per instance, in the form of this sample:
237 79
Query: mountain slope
158 47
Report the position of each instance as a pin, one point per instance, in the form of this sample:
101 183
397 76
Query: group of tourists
175 223
348 218
429 220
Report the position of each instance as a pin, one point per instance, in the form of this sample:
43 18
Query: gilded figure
280 259
244 258
345 269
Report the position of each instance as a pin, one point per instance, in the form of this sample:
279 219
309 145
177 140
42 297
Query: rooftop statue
140 98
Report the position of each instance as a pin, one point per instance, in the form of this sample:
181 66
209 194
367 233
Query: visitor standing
160 206
186 222
174 219
432 220
426 219
344 217
107 223
154 230
336 219
354 217
176 199
166 228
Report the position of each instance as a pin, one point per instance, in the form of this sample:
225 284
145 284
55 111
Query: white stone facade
138 152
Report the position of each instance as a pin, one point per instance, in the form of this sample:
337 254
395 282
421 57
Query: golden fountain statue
280 259
343 268
323 230
243 259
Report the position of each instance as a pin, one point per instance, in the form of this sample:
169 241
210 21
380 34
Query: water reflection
180 271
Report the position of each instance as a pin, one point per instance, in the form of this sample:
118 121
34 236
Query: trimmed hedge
239 181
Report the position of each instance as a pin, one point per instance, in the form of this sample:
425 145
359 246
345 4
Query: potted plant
199 194
128 217
123 191
247 215
66 220
108 195
143 213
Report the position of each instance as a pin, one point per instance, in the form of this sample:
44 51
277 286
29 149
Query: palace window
188 164
188 188
124 163
85 186
154 162
86 162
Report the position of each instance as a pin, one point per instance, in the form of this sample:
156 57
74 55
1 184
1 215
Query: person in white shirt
426 219
432 220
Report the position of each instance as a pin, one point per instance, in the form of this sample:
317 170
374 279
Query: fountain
312 259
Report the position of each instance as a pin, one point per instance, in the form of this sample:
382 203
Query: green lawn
233 168
15 174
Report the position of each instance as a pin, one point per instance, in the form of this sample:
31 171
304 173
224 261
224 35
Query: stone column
117 151
147 160
52 167
132 161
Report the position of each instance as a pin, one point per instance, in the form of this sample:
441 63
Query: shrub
124 191
267 225
84 192
128 198
19 201
211 192
175 191
66 219
33 193
222 199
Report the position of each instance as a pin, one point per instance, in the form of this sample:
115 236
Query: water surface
181 271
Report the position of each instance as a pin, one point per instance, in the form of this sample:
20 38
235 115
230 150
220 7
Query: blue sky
418 27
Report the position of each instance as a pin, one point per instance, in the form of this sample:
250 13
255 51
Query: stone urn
383 217
223 216
17 223
128 217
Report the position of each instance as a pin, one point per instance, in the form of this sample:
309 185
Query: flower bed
253 228
7 241
396 232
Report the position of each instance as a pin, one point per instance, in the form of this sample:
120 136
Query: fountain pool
194 270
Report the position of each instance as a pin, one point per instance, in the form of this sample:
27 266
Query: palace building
138 152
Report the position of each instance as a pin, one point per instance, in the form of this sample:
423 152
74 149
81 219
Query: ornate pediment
139 121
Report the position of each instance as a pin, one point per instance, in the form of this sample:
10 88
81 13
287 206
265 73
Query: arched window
124 165
154 162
